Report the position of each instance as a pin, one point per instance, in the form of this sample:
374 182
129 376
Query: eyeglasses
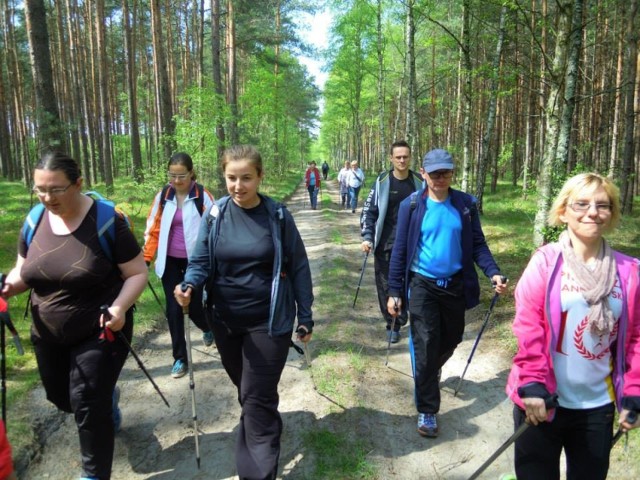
175 176
585 206
53 192
447 174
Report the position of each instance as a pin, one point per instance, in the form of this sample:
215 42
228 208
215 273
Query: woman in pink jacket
578 328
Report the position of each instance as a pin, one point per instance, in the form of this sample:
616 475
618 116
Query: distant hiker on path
172 229
312 182
355 180
378 221
325 170
344 186
249 252
438 239
577 323
71 277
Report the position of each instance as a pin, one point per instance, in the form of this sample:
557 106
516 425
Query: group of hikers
238 266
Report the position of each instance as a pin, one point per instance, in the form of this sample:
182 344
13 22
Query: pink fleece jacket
537 323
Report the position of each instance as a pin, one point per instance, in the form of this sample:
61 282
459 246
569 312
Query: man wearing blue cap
438 239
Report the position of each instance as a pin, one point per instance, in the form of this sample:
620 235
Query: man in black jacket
378 222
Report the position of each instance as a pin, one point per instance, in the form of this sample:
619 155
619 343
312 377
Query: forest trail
373 406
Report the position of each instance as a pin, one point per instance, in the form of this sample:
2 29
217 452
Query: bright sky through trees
314 29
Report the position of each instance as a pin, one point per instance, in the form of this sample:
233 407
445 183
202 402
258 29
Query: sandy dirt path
157 442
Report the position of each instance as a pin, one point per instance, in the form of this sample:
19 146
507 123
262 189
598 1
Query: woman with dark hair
71 277
172 228
250 254
578 328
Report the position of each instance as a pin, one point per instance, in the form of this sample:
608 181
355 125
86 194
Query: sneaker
427 425
179 369
207 338
115 408
393 336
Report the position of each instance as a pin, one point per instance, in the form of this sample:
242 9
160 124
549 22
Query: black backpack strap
199 198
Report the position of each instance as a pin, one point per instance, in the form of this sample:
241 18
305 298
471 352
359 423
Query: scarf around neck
595 282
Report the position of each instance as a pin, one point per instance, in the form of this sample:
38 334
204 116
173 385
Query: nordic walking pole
157 298
632 416
108 335
364 264
192 385
475 344
5 321
393 324
549 403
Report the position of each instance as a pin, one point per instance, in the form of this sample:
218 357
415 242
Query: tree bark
50 131
552 112
629 86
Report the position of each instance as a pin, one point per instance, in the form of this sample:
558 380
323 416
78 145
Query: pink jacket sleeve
532 363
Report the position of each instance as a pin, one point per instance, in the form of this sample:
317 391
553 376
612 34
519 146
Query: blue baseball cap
437 159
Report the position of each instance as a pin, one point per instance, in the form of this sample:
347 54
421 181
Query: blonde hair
576 184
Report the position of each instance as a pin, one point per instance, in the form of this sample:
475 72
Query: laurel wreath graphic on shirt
579 344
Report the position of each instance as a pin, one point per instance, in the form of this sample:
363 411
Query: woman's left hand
114 321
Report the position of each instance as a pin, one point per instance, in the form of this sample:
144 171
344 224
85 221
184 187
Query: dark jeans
437 325
254 362
80 379
353 197
381 270
313 195
344 196
172 276
585 436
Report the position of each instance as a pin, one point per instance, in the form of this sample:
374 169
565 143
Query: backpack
105 222
199 199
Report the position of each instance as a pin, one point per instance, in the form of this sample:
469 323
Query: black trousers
254 361
437 324
585 436
80 379
381 260
172 276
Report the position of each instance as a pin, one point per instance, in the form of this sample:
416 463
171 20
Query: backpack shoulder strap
163 195
199 200
106 224
31 223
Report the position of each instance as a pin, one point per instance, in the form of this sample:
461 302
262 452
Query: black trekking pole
5 321
157 298
549 403
494 300
364 264
192 386
632 416
108 334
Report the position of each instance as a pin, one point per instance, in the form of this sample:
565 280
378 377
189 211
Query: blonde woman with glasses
578 328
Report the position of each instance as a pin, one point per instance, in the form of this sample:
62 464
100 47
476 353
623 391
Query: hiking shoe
115 409
427 425
393 336
207 338
179 369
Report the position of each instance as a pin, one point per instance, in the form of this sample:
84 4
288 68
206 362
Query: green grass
338 456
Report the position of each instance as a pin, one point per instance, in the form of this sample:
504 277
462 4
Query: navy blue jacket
291 289
474 245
